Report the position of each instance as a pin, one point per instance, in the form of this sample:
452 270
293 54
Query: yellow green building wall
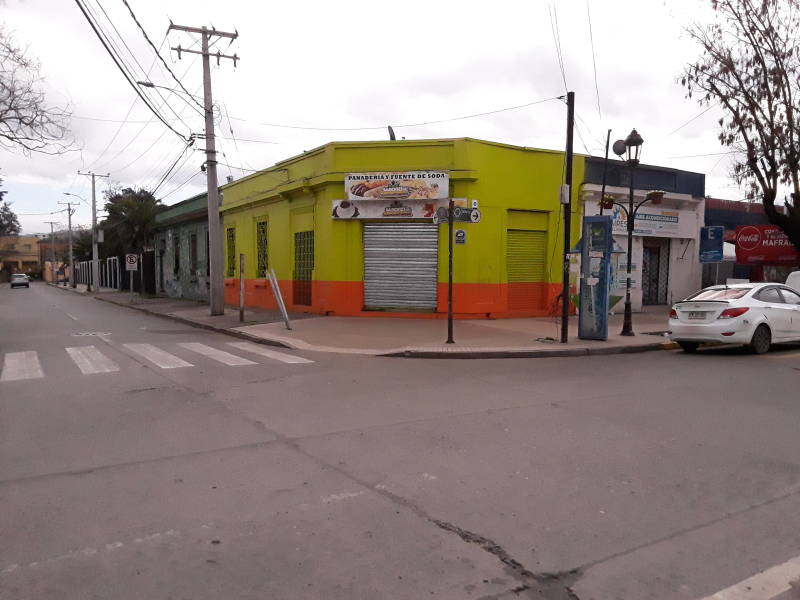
517 188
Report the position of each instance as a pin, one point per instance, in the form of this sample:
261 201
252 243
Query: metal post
276 291
567 220
605 169
241 287
94 278
52 253
72 282
627 323
450 272
141 277
130 279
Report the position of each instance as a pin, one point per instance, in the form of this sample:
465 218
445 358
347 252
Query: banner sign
386 209
764 244
407 185
659 221
711 240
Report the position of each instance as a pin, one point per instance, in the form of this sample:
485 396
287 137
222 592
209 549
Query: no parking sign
131 262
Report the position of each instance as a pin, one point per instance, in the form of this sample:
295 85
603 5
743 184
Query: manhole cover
91 333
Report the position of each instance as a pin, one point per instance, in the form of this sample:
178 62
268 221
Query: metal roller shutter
400 265
525 255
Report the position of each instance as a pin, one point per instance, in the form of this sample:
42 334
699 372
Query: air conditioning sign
764 245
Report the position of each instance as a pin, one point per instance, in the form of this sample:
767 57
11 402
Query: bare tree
27 121
750 66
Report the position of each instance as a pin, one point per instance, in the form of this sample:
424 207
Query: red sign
764 245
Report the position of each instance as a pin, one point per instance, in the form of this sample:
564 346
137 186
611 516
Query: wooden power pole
215 262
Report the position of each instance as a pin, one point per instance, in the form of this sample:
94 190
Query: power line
193 175
158 54
109 120
557 42
230 127
583 141
243 169
404 125
709 154
697 116
594 59
124 72
55 212
136 60
136 136
181 155
122 124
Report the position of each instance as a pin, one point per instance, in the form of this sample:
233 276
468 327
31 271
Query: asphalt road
657 475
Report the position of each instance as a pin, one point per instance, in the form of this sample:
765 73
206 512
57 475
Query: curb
171 317
408 353
67 289
468 354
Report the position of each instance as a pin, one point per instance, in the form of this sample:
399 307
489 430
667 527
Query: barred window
261 249
208 256
176 255
230 238
193 253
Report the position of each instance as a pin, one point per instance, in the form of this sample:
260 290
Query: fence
110 273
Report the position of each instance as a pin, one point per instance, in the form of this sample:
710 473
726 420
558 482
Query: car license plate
697 315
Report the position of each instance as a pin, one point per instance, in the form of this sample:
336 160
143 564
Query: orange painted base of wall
346 298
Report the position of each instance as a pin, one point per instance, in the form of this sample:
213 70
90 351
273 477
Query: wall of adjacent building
181 279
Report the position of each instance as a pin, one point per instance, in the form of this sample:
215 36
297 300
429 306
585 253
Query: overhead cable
158 55
125 73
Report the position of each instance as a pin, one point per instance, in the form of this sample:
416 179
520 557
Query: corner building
383 254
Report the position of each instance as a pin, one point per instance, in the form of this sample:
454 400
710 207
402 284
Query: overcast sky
352 64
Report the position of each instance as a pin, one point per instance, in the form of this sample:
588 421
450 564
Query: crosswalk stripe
761 586
258 349
90 360
219 355
21 365
157 356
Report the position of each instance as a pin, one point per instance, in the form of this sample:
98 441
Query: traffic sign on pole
131 262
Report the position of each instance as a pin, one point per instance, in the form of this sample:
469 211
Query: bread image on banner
420 185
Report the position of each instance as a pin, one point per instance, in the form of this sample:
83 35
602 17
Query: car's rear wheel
762 340
689 347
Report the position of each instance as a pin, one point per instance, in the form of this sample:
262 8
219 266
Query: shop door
655 271
303 267
525 257
400 266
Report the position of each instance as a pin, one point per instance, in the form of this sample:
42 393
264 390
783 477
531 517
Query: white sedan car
754 314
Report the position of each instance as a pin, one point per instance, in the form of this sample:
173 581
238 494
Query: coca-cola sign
764 245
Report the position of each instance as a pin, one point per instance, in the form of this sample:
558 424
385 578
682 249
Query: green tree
82 245
750 66
9 224
130 218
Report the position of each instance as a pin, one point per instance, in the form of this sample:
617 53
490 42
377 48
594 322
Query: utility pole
216 287
52 251
95 281
567 201
70 210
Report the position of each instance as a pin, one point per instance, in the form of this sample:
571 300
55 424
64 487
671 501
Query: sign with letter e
131 262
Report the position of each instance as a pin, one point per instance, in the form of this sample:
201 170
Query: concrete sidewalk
404 337
425 338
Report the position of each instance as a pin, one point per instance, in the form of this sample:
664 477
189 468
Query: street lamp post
631 148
